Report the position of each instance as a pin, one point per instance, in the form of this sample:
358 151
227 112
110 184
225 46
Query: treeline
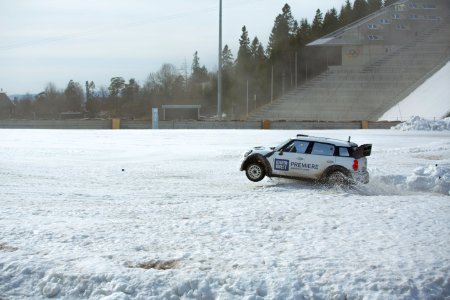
255 77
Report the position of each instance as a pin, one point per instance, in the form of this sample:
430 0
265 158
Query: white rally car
308 157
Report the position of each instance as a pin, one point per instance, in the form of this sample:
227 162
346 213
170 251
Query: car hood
259 150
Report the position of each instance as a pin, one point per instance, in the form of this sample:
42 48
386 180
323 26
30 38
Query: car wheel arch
335 168
259 159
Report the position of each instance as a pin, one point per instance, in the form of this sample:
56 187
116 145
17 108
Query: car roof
335 142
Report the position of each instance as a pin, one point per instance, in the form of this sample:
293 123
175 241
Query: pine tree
90 89
317 25
115 90
303 35
195 63
130 90
91 105
345 16
280 49
360 9
330 22
259 86
243 62
257 51
130 99
227 59
374 5
116 85
197 80
199 74
282 31
229 82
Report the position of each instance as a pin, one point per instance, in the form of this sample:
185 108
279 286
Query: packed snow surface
168 215
423 124
430 100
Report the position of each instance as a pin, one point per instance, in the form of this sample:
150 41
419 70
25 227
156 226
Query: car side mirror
280 152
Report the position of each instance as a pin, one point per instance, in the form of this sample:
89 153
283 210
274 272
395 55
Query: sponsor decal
304 166
281 164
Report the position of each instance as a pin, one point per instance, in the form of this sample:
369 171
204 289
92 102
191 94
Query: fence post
364 124
115 123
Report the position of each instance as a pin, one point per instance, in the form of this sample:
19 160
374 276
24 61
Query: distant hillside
20 96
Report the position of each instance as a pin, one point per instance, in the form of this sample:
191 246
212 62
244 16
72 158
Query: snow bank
419 123
432 178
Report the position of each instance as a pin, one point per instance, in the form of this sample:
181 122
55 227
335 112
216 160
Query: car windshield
278 148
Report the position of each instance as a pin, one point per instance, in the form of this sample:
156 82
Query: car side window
297 147
301 146
343 151
322 149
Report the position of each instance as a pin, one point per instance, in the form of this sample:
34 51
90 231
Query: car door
288 161
322 154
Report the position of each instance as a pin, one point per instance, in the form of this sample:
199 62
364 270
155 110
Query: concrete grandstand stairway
366 92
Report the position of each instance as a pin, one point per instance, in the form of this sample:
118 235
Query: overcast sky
55 41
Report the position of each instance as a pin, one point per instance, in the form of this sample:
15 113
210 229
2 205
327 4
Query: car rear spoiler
362 151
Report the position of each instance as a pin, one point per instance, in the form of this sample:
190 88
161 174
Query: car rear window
343 151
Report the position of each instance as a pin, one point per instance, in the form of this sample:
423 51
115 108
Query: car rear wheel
255 172
338 178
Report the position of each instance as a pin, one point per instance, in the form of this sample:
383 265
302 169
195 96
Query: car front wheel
255 172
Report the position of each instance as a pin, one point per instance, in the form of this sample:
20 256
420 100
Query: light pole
271 87
219 73
296 62
247 98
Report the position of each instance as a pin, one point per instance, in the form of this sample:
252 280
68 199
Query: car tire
338 178
255 171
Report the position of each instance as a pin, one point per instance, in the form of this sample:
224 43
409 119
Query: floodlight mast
219 72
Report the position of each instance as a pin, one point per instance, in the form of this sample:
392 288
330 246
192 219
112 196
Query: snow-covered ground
167 215
430 100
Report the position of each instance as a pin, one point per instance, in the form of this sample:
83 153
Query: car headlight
248 153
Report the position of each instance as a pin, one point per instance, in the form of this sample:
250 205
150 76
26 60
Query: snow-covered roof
334 41
335 142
